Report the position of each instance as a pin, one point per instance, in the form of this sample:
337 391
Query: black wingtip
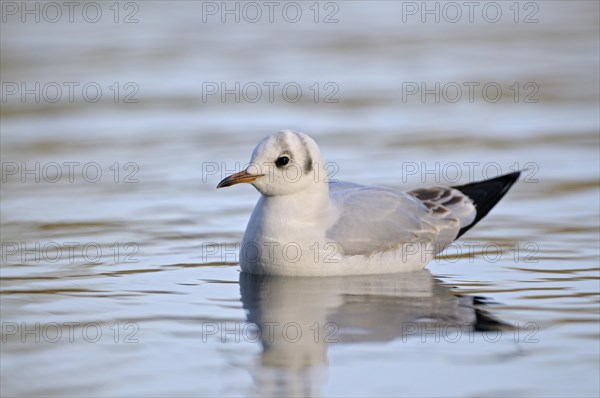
485 195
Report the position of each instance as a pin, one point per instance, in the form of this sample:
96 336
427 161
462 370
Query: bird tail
485 195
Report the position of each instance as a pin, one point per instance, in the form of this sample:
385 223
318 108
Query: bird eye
282 161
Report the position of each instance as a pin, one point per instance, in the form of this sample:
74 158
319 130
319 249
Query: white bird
304 225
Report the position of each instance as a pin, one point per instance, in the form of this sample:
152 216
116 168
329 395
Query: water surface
136 267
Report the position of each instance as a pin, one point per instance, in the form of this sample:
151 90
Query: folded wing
375 219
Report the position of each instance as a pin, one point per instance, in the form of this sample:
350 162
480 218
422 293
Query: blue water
119 271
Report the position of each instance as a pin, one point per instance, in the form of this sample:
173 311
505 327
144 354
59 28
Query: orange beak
238 178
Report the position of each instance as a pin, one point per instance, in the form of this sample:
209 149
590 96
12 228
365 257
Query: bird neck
309 205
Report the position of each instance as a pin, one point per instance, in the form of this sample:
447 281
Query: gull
305 225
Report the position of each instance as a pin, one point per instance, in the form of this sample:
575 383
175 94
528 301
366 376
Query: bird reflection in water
297 318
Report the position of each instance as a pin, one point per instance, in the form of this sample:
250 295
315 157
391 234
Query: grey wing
444 200
374 219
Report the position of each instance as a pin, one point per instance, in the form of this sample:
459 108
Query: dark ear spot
308 165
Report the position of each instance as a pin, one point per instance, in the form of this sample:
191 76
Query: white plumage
304 225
